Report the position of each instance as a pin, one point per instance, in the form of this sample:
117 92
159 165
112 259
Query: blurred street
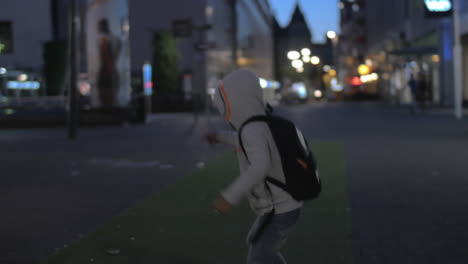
407 180
405 174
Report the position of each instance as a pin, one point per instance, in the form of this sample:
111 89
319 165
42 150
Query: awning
425 45
416 51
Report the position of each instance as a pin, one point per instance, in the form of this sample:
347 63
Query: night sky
321 15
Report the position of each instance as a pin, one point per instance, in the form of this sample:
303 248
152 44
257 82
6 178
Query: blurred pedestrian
239 97
413 85
422 91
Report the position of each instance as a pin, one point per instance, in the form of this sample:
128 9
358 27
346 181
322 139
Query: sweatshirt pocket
254 194
261 196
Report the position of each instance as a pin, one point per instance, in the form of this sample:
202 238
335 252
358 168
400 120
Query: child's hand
222 206
211 138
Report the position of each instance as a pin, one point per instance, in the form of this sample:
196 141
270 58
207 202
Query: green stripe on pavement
178 225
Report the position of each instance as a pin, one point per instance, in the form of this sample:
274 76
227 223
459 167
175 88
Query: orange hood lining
226 101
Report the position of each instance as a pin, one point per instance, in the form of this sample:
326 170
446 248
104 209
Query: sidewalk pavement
54 190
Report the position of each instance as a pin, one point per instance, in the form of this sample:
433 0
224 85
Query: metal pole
72 93
234 30
457 61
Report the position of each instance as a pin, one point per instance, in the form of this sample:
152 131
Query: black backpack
298 162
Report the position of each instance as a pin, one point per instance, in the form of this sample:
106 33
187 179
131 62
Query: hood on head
239 97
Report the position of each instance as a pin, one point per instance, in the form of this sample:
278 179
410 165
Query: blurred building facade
27 32
397 39
23 31
250 48
207 49
404 42
33 41
353 45
211 49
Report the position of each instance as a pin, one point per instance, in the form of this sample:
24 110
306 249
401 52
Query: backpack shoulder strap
259 118
277 183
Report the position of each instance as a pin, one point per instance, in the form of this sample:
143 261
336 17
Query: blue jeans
266 248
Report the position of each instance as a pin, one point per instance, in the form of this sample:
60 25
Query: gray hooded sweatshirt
238 98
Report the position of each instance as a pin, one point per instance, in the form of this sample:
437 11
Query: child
239 97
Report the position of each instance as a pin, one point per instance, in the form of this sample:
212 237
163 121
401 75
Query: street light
315 60
22 77
297 64
356 8
341 5
334 41
363 69
306 59
294 55
331 34
305 52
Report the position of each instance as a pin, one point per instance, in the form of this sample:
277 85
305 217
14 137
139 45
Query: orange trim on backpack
302 163
226 101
